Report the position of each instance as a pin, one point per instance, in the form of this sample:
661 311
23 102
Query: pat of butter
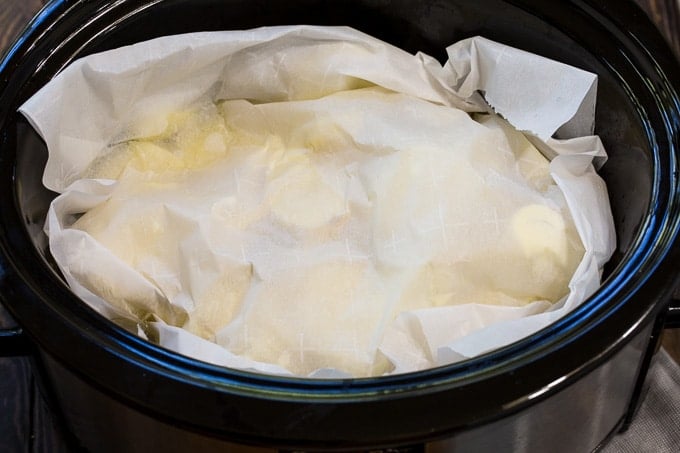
299 197
541 230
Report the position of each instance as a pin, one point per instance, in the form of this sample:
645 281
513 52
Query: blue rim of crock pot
659 232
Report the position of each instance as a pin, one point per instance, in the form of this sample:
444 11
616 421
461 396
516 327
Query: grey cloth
656 427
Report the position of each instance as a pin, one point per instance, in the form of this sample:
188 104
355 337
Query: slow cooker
567 388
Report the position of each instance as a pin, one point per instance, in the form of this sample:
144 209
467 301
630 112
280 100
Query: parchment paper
115 97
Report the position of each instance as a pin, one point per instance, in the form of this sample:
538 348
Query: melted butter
541 230
192 139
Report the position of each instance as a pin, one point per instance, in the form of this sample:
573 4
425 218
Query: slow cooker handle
673 315
13 342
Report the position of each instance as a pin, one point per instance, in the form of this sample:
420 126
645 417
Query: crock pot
565 389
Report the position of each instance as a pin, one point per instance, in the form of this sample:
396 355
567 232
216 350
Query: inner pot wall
585 371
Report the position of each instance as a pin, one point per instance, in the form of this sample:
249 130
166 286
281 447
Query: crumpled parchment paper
259 101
